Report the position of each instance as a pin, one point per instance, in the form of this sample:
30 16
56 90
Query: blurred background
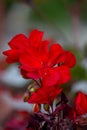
62 20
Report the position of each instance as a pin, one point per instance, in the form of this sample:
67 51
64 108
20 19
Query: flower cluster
49 66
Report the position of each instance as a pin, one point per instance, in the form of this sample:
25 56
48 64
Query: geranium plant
48 65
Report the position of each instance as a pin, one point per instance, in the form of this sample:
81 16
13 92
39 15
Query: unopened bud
36 107
26 97
31 88
46 107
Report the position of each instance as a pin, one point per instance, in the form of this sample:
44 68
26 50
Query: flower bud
26 97
46 107
36 107
31 88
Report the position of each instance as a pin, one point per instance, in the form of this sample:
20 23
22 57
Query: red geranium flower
81 103
37 60
45 95
18 121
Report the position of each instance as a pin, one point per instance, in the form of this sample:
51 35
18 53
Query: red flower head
38 60
81 103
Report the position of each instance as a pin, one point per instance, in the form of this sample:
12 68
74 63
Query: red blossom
81 103
45 95
18 121
49 65
38 60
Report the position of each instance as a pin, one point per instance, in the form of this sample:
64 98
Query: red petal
33 74
18 45
12 56
50 76
64 73
19 41
30 73
54 53
30 61
35 38
40 96
42 51
81 103
70 60
62 58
